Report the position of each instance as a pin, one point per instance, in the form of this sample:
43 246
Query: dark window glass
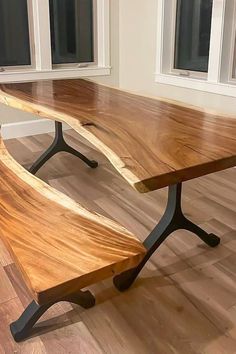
71 31
14 33
193 31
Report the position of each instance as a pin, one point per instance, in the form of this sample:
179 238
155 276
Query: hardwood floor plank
213 301
172 319
18 284
216 210
75 338
112 331
5 258
6 289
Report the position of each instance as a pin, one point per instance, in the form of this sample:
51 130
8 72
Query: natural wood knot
88 124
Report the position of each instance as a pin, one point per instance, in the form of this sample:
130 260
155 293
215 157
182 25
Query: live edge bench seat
59 246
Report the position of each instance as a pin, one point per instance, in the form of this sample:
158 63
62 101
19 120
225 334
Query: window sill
65 73
226 89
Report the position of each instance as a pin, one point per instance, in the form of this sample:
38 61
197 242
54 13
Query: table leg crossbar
58 145
23 327
172 220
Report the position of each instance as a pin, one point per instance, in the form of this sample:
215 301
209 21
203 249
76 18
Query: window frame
234 63
233 49
219 78
40 46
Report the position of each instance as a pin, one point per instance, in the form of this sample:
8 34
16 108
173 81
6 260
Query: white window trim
42 49
219 79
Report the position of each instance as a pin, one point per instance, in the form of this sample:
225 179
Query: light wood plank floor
185 298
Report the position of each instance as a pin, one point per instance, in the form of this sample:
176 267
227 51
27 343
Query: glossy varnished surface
152 143
59 246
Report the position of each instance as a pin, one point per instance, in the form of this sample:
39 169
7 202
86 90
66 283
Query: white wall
10 115
138 24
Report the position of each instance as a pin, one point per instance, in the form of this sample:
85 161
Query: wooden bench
59 246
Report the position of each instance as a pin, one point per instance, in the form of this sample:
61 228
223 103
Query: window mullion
43 56
228 52
216 43
103 37
166 12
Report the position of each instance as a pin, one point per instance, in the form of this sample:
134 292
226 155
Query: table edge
142 186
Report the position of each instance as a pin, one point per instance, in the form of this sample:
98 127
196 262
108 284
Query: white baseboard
28 128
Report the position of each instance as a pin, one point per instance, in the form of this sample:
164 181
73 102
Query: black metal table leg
58 145
172 220
23 327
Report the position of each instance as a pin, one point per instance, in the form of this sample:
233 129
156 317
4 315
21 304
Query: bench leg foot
23 327
59 145
172 220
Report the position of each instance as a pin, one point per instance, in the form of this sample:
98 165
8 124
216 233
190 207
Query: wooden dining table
152 142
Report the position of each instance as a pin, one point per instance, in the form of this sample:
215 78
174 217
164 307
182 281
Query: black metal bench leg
23 327
172 220
58 145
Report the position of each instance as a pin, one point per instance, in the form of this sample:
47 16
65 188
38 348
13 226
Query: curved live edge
59 246
152 142
78 127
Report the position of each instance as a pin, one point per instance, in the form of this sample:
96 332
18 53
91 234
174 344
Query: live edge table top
153 143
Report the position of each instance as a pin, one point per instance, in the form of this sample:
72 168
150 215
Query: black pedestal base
59 145
172 220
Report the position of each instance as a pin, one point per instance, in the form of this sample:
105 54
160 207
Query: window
198 44
53 39
71 23
192 35
14 33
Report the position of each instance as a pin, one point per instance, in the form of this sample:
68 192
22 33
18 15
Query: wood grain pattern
59 246
152 143
184 302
